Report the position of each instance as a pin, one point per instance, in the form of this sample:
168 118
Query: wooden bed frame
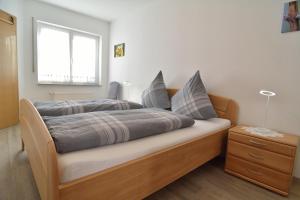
135 179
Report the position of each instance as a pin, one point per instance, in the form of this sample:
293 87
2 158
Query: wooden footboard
135 179
40 150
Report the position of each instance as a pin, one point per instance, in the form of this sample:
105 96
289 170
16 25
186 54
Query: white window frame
72 32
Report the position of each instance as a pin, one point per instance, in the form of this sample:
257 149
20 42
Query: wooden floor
208 182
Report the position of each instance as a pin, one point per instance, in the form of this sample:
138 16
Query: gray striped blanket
94 129
57 108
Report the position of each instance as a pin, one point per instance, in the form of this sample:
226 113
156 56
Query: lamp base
263 132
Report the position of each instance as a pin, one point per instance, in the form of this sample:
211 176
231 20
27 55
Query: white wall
237 46
66 18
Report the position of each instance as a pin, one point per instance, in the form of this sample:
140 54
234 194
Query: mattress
78 164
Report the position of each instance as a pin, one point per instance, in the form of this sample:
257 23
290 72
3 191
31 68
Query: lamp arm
266 112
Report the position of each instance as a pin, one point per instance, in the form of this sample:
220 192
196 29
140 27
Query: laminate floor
209 182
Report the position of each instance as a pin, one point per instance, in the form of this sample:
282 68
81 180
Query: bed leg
23 146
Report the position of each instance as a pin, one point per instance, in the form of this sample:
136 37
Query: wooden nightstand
265 161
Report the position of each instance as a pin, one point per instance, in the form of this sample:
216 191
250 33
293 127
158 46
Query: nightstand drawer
263 144
258 173
259 156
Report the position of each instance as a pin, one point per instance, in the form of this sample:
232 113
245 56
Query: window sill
70 84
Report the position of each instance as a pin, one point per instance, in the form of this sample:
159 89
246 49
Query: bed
132 175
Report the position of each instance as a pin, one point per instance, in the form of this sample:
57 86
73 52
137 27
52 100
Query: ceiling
104 9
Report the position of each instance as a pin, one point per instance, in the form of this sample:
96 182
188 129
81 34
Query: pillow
156 95
193 100
114 91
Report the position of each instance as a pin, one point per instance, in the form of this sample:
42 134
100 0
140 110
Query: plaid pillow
193 100
156 95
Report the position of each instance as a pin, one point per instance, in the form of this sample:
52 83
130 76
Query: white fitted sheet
78 164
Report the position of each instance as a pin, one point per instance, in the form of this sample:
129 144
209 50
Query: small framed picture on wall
119 50
291 17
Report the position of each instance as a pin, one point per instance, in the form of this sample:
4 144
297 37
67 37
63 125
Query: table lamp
263 130
126 85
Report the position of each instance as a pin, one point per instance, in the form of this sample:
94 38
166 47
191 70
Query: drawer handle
255 172
257 143
256 156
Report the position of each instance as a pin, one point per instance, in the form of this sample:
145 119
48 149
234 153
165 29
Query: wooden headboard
226 108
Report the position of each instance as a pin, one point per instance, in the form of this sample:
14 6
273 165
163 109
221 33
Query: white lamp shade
267 93
126 83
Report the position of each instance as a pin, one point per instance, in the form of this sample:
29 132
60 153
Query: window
66 56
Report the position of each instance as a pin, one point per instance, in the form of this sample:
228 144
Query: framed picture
291 17
119 50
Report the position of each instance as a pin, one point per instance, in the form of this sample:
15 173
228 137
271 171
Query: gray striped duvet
94 129
57 108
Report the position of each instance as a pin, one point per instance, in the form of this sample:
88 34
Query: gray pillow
156 95
114 91
193 100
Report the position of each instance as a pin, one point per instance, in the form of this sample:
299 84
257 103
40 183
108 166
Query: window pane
53 54
84 59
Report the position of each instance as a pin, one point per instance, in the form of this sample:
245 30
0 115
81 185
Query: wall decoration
120 50
291 17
